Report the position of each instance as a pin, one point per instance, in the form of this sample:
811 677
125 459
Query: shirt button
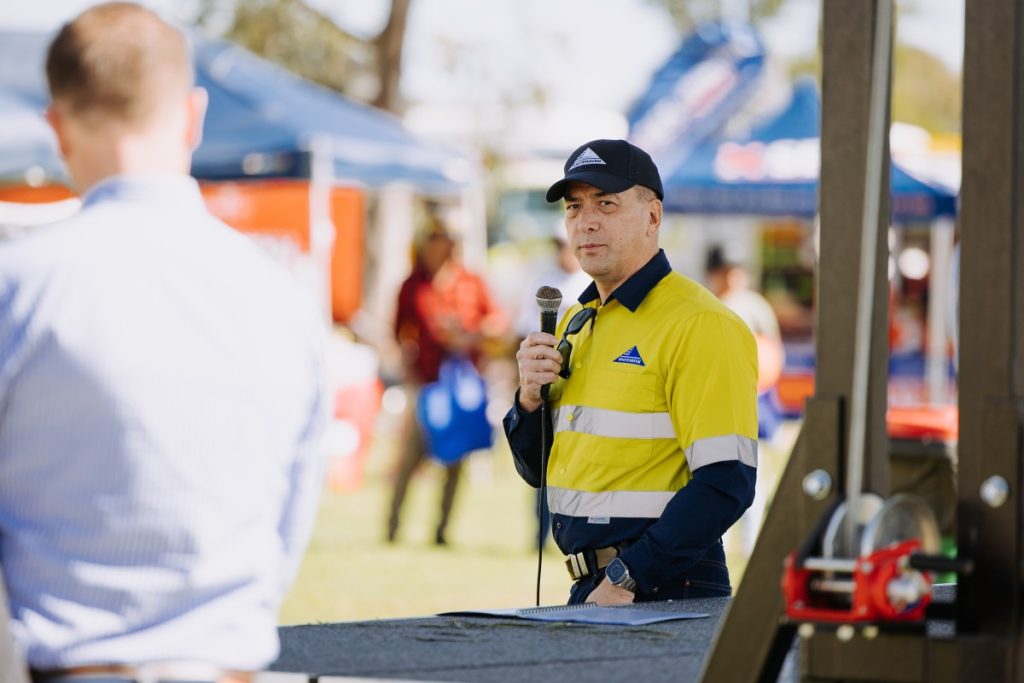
558 525
579 365
568 418
654 590
561 471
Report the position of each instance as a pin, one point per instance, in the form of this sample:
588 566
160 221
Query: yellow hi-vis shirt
653 395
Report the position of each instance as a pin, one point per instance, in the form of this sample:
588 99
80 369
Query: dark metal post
848 36
991 384
751 645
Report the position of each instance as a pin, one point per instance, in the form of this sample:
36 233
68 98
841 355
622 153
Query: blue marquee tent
702 84
262 122
759 159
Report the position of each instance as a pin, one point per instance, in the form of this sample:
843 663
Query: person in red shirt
444 310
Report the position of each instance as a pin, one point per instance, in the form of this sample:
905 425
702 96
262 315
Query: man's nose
590 218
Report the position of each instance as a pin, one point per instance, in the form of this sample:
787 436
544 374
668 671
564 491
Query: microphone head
549 298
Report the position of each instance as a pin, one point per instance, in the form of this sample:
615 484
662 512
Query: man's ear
654 214
198 99
56 121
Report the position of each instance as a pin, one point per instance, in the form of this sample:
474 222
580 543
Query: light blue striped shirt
162 396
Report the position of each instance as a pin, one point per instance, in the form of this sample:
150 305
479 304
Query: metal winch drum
866 575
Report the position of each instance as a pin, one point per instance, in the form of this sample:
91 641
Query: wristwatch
618 575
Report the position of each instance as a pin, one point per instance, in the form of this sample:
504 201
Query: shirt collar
631 293
179 190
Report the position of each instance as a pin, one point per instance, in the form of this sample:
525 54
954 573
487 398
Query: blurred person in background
444 311
729 280
564 274
162 390
653 400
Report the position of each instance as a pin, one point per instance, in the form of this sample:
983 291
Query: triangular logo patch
631 357
586 158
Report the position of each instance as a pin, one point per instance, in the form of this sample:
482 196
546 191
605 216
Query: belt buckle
577 566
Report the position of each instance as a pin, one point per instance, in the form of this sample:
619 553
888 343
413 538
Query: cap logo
586 158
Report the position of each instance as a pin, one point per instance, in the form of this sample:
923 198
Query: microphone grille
549 298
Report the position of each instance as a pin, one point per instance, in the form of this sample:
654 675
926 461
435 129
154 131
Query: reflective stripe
721 449
645 504
613 423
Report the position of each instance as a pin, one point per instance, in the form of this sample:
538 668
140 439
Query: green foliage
687 13
351 573
925 92
304 41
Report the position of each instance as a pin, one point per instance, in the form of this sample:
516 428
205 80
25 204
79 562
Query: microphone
549 299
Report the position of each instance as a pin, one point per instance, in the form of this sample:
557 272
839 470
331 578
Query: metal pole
321 227
873 174
939 310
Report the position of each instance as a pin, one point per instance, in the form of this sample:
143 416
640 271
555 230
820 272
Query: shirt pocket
629 389
619 403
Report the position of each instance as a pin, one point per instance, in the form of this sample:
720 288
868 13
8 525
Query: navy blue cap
610 165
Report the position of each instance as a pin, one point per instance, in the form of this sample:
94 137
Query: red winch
871 579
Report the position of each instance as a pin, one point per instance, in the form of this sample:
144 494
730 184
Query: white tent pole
473 210
941 236
321 227
390 261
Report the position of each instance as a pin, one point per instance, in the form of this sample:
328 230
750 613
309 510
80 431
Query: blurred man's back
161 400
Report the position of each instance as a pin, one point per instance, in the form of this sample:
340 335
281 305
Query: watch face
615 570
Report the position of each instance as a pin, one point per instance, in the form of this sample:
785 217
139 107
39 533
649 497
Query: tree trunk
389 56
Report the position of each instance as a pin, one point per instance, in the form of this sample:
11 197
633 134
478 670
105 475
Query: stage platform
487 649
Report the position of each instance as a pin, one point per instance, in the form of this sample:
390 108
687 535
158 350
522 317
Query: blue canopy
700 86
761 160
262 122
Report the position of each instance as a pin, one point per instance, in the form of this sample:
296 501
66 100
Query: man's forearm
696 517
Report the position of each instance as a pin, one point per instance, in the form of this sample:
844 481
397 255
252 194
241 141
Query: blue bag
453 412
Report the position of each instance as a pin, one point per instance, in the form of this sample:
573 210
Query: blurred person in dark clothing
444 311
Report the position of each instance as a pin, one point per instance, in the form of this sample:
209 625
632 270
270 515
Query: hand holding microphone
538 360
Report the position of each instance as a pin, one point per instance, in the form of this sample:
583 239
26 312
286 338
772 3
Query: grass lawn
351 573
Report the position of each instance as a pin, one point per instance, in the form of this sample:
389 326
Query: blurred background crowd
394 156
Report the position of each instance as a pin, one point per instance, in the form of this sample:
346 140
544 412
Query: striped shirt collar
632 292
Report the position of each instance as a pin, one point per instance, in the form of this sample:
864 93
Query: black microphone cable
549 299
545 446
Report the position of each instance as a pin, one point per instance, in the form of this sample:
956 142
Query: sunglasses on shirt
575 326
